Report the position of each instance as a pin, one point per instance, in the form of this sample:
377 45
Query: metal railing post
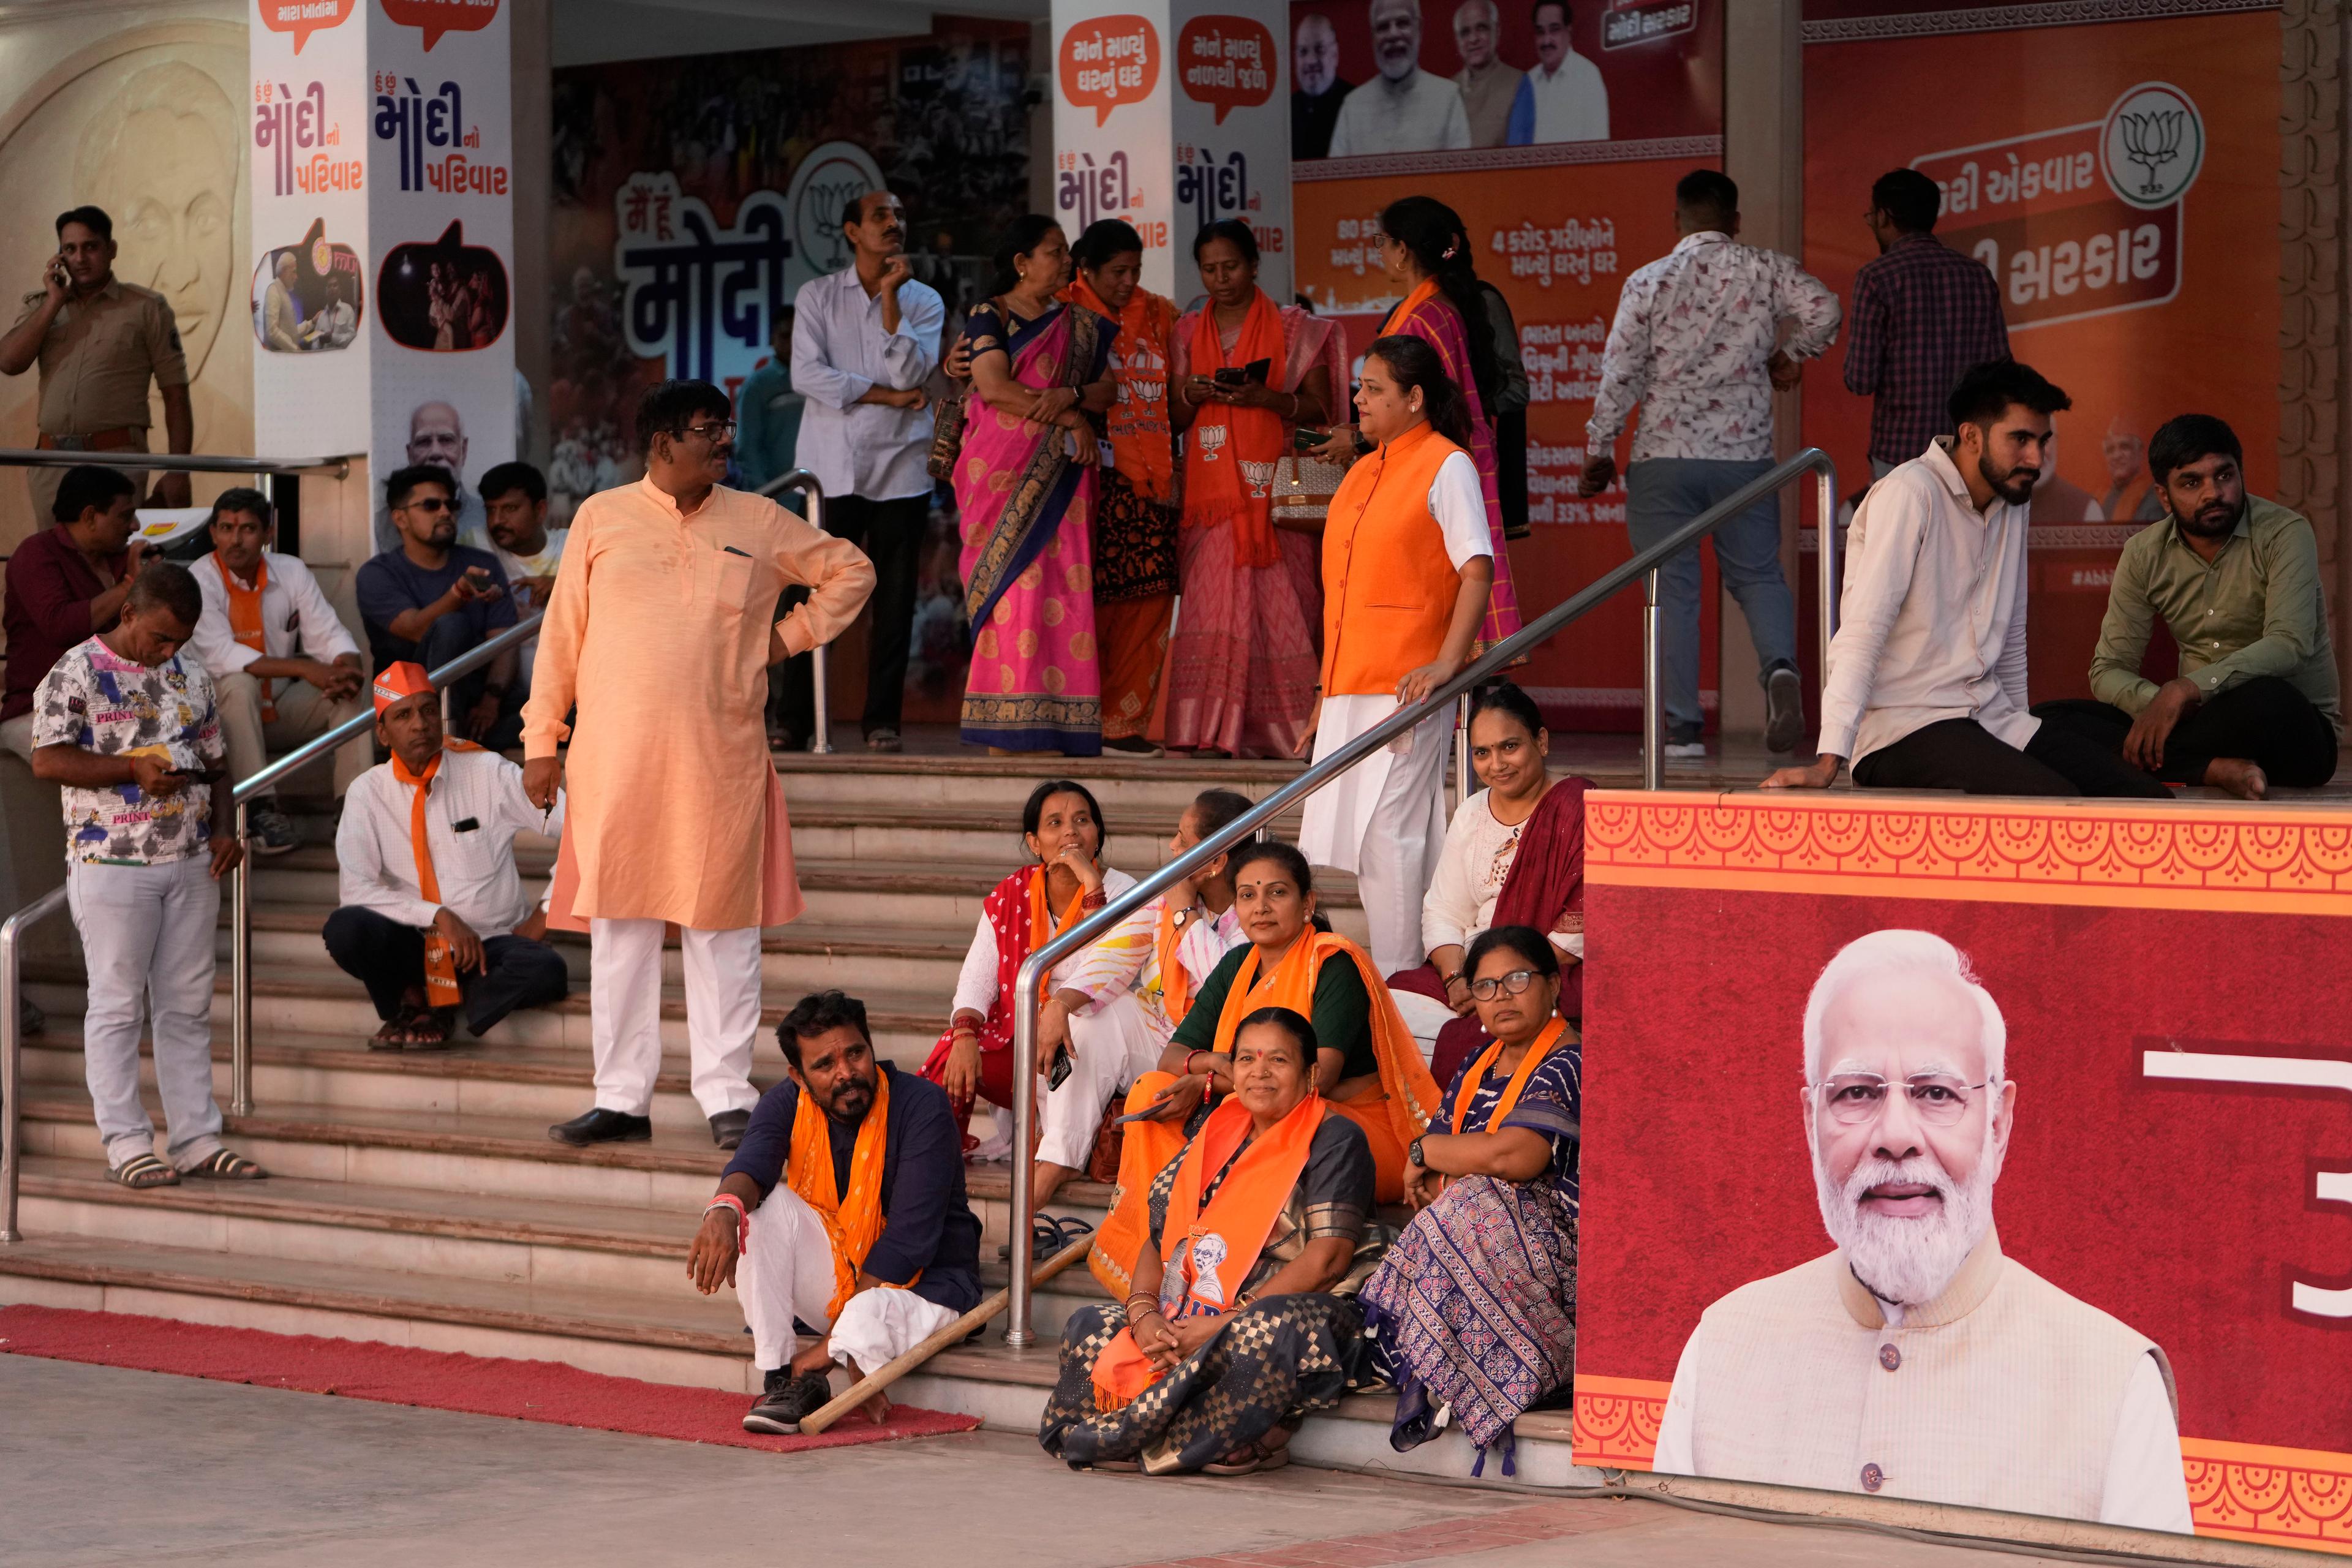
1825 498
1026 984
12 1052
1654 754
1461 749
240 971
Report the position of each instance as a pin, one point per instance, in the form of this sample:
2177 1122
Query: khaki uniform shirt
98 354
2256 609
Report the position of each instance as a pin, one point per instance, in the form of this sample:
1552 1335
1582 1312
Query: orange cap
398 682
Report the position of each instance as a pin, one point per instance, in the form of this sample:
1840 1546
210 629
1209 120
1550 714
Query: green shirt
1342 1019
2255 609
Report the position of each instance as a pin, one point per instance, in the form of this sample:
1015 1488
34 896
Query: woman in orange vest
1408 561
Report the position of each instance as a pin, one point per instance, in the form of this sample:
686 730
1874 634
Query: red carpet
396 1374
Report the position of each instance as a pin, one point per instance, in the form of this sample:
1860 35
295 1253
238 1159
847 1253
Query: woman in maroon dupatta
1513 856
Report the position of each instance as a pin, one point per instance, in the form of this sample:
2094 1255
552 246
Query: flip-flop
144 1171
220 1165
1254 1459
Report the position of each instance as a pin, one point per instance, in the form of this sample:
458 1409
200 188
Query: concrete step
1162 787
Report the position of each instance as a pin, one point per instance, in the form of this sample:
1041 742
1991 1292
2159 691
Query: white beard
1908 1261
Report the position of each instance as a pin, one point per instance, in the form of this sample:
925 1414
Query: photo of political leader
1916 1359
447 297
306 298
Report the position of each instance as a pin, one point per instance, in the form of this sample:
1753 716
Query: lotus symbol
2152 140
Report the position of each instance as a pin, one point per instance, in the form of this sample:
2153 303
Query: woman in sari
1513 856
1366 1061
1134 515
1108 1039
1244 373
1024 484
1240 1322
1425 248
1474 1307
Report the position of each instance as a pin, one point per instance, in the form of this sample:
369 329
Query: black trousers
2264 720
388 958
1962 754
891 534
1511 471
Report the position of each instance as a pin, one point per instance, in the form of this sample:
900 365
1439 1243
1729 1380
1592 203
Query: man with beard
850 1180
436 438
1925 680
430 599
2236 579
1405 108
1917 1361
1317 89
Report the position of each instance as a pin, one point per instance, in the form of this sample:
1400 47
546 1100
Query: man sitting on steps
844 1209
434 913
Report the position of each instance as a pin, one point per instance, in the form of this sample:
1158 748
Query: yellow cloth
853 1221
658 632
244 622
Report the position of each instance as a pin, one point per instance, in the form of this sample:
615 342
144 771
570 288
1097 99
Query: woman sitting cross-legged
1239 1324
1476 1305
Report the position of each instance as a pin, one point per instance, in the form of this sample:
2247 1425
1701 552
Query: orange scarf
1175 980
853 1221
245 623
1537 1049
1230 456
1206 1252
1411 1093
1041 930
440 964
1137 422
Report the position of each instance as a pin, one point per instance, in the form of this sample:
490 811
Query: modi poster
1923 1162
2121 181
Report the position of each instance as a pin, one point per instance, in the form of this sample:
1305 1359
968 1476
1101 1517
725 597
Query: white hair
1894 953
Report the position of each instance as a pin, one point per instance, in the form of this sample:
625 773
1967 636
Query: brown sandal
144 1171
223 1166
1249 1460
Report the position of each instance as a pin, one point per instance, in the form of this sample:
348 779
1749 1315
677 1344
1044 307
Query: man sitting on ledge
1926 686
843 1207
434 912
2236 579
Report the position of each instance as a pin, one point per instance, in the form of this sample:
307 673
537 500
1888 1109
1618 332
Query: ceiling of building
587 32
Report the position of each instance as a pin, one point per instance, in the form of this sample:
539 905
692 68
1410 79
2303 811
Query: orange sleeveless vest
1388 585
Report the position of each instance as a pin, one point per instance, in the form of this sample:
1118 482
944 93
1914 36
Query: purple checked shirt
1923 315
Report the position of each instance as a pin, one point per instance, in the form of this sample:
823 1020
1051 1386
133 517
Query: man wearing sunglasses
1916 1360
431 599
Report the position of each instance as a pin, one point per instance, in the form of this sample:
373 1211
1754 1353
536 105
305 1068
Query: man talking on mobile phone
99 341
432 599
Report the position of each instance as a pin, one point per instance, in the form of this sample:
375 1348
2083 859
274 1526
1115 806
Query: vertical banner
441 234
2120 180
1114 133
310 297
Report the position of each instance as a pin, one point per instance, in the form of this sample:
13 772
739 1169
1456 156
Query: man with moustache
2236 579
430 599
1317 89
1917 1361
844 1209
1925 679
1563 98
436 438
1403 108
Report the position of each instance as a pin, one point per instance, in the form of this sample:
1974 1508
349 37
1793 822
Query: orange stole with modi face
1206 1252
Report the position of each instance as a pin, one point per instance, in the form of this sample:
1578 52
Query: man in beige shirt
1488 85
99 341
1916 1360
658 632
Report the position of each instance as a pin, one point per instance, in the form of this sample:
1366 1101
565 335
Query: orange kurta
657 631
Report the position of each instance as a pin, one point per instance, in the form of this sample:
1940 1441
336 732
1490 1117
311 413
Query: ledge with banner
2123 1221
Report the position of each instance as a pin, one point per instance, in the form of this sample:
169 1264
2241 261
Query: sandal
222 1165
429 1031
144 1171
1249 1460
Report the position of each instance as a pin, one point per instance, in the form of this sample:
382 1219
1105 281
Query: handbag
1303 488
947 422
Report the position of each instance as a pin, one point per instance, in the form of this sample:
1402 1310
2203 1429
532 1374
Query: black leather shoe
726 1128
786 1401
603 1126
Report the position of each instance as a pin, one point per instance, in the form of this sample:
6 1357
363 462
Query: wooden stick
955 1334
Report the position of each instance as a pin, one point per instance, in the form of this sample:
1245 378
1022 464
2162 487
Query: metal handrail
171 462
821 711
1028 983
12 1052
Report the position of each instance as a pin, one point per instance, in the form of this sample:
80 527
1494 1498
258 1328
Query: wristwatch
1412 1156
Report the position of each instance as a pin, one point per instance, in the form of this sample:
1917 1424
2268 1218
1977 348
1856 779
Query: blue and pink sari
1027 511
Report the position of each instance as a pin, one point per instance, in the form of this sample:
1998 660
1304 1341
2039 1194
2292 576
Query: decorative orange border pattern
1615 1421
2200 855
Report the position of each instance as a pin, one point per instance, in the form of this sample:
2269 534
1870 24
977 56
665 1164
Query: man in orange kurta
658 633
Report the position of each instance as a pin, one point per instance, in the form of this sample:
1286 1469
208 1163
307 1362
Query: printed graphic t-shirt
94 699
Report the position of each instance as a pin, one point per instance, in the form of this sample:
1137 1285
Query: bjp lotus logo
2152 145
1212 439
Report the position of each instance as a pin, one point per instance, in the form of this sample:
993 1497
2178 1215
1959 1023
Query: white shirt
1571 103
294 617
1471 870
1931 625
839 351
1424 115
527 603
976 983
1695 330
474 869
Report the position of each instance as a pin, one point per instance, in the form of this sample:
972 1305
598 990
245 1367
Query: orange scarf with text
1207 1250
1537 1049
853 1220
245 623
1231 455
1138 421
440 965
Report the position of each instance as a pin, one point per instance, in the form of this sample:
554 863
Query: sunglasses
429 506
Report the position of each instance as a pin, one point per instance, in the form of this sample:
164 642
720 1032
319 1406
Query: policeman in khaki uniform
98 340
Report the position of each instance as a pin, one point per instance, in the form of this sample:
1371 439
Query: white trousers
147 941
787 1273
1109 1049
722 1013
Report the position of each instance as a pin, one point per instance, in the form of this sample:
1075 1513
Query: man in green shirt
2236 579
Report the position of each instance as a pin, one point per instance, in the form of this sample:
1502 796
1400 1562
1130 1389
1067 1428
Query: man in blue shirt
431 599
869 1240
768 416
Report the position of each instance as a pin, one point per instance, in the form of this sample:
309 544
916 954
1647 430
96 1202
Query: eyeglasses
712 430
1511 984
428 505
1937 1099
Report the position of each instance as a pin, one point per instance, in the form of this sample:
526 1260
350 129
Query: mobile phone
1231 375
1149 1113
1063 1068
1306 438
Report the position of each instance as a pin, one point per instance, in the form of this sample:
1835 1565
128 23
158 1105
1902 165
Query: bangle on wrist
742 1218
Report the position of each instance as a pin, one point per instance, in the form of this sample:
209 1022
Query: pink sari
1434 320
1027 514
1244 668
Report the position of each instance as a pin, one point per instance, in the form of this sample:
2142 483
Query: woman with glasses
1475 1307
